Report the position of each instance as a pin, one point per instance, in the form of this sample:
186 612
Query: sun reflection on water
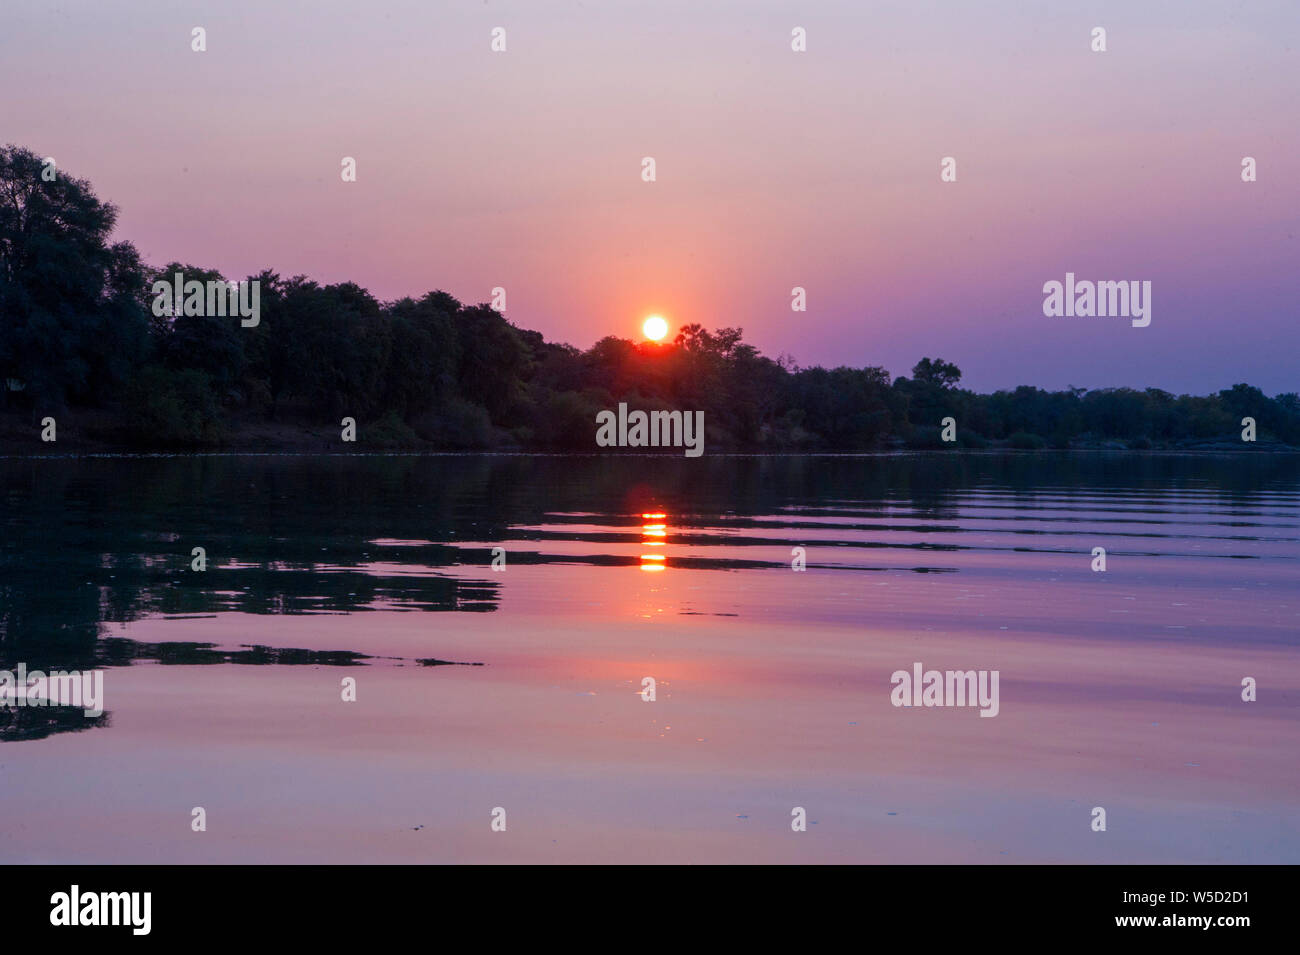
654 533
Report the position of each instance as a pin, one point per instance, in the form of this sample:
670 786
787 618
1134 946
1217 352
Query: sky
774 169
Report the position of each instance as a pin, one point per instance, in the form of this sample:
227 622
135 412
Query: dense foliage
77 332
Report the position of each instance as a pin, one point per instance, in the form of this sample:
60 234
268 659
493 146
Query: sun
655 328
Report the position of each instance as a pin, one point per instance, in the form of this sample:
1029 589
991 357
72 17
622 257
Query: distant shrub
167 407
457 424
569 422
926 437
1024 441
390 431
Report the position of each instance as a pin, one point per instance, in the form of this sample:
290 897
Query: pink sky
775 169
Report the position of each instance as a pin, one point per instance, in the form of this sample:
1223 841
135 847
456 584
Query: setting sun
655 328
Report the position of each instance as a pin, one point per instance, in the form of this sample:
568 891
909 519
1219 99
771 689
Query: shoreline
81 453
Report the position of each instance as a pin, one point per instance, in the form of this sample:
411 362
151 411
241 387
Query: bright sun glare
655 328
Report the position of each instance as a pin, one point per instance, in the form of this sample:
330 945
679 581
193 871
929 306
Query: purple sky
775 169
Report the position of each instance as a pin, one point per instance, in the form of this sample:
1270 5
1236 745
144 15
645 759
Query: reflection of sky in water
1118 689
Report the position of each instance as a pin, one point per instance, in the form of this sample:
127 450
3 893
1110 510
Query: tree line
79 337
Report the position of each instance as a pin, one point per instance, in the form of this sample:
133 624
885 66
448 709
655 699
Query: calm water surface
520 688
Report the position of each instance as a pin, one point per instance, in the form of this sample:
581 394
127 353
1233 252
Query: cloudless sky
522 169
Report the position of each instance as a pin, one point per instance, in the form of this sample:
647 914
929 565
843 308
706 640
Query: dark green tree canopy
77 329
68 297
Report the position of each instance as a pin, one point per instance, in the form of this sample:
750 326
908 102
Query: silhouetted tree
72 322
77 327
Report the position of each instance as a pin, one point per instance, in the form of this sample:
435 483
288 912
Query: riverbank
101 432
